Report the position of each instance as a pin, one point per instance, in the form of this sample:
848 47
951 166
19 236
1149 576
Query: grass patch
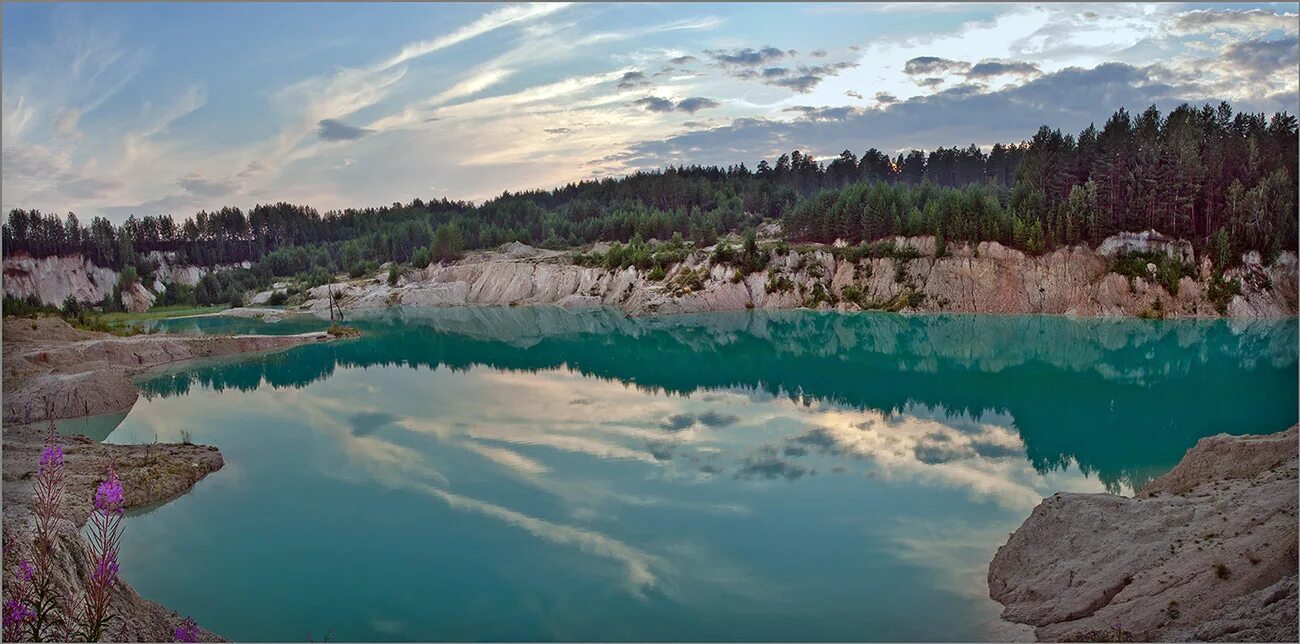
161 313
340 331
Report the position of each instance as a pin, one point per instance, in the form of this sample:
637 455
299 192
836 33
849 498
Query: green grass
160 313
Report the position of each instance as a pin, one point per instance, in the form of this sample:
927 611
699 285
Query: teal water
541 474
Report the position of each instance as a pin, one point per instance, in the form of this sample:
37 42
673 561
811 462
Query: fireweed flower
188 631
16 614
26 570
105 530
108 498
52 457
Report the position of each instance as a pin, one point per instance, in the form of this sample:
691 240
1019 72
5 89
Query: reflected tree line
1117 397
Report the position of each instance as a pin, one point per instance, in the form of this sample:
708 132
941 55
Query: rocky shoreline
1207 552
53 371
151 474
965 278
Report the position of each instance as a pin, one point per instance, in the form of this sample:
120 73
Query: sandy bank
82 373
1205 553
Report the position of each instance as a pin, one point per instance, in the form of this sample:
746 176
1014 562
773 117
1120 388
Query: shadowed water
536 473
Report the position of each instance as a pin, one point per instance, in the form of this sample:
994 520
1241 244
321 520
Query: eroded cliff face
1204 553
982 278
53 279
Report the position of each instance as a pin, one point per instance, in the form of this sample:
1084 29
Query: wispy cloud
490 22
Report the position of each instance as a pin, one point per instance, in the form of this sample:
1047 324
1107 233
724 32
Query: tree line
1198 173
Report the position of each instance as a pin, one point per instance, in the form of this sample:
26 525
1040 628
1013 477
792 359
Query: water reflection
535 473
1120 399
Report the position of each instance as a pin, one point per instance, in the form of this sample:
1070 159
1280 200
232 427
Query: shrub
818 295
71 307
778 282
1168 270
656 274
687 281
900 271
723 253
1221 292
851 293
421 258
340 331
1221 570
278 298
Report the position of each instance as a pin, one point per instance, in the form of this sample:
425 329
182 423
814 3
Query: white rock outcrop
1205 553
980 278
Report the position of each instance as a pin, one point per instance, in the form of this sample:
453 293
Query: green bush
778 282
1221 292
278 298
1169 271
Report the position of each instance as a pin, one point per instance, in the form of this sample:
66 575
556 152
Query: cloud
1261 58
696 103
198 185
852 94
885 98
746 57
794 450
563 130
654 104
1247 21
508 458
471 85
766 464
1070 99
488 22
818 53
690 105
824 113
683 60
807 77
65 122
333 130
929 65
638 565
994 67
367 422
633 80
88 187
802 84
662 451
929 82
819 437
677 422
718 419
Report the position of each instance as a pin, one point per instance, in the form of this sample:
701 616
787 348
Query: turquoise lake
543 474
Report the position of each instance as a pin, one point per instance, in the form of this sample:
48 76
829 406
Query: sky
149 109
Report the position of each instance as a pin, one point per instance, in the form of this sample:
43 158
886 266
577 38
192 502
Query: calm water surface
534 473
